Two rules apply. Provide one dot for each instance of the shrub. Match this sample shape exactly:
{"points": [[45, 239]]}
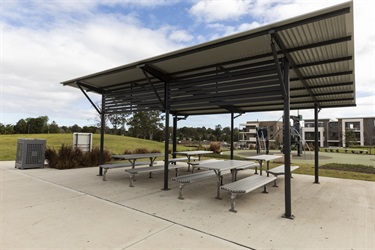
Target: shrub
{"points": [[68, 158], [155, 151], [128, 152], [51, 156], [93, 158], [141, 151], [215, 147]]}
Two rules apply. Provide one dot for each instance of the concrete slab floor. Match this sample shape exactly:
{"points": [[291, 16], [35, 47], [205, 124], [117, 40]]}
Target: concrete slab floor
{"points": [[75, 209]]}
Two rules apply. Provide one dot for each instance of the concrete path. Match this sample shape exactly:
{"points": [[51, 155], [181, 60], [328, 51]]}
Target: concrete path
{"points": [[75, 209]]}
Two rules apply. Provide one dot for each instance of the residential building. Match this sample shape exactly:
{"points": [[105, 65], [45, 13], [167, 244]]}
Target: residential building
{"points": [[248, 133], [331, 133], [337, 133], [308, 131]]}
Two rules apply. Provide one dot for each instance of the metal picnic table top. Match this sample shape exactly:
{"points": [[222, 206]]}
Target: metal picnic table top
{"points": [[219, 166], [196, 152], [136, 156]]}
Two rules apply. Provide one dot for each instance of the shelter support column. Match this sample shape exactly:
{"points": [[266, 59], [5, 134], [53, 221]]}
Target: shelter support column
{"points": [[174, 138], [316, 144], [231, 135], [102, 128], [288, 193], [166, 146]]}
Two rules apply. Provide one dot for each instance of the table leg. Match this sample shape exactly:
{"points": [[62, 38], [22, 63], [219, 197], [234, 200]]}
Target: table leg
{"points": [[133, 166], [219, 183], [152, 159], [188, 156], [268, 168], [234, 174], [132, 162], [260, 167]]}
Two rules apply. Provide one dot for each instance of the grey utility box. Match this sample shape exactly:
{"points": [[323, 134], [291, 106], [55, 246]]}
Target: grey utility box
{"points": [[83, 141], [30, 153]]}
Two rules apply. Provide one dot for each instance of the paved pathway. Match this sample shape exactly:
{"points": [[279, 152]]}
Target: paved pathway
{"points": [[75, 209]]}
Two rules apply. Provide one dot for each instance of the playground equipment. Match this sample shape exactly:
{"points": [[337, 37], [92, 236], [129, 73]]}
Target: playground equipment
{"points": [[262, 140], [296, 139]]}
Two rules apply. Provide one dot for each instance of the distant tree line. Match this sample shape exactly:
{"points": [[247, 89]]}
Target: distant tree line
{"points": [[40, 125], [144, 124]]}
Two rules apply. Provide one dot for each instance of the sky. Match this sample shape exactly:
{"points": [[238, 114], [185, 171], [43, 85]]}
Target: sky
{"points": [[46, 42]]}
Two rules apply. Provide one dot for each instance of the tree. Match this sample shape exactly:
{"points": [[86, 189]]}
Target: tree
{"points": [[218, 131], [37, 125], [21, 127], [75, 128], [118, 120], [66, 129], [53, 128], [6, 129], [350, 137], [145, 124], [89, 129]]}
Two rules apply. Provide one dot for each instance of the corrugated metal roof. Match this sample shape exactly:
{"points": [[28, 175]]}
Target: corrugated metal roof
{"points": [[238, 73]]}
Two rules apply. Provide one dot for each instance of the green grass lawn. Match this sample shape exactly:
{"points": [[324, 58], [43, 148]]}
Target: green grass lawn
{"points": [[118, 144], [349, 171], [115, 144]]}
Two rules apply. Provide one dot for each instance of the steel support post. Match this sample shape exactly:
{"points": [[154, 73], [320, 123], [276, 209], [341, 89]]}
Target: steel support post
{"points": [[102, 128], [166, 146], [288, 193], [316, 144], [174, 139], [231, 135]]}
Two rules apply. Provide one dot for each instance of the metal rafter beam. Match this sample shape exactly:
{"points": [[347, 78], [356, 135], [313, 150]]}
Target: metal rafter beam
{"points": [[341, 84], [155, 72], [335, 60], [88, 87], [232, 109], [153, 87], [278, 68], [80, 85], [320, 44], [284, 50], [322, 76]]}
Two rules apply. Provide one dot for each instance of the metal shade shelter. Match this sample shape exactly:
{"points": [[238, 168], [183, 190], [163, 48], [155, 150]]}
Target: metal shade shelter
{"points": [[306, 62]]}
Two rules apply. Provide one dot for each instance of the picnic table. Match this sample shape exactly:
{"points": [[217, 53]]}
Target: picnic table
{"points": [[133, 157], [262, 158], [189, 154], [220, 166]]}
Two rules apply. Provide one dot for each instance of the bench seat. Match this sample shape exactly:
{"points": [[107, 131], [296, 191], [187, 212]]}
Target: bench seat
{"points": [[280, 170], [251, 165], [195, 164], [181, 159], [189, 178], [120, 165], [150, 170], [245, 186], [173, 160]]}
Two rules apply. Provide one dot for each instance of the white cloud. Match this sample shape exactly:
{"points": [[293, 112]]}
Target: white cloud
{"points": [[46, 42], [35, 60], [226, 30], [212, 11], [181, 36]]}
